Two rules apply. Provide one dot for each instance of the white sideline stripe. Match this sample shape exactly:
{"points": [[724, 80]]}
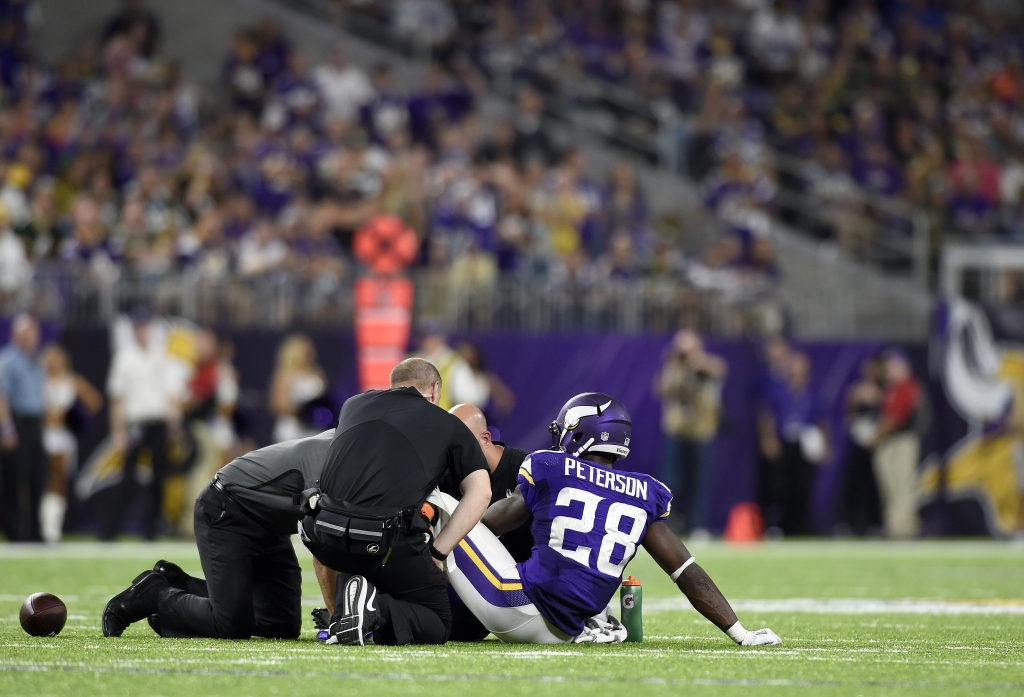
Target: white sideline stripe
{"points": [[442, 677], [859, 606], [834, 606]]}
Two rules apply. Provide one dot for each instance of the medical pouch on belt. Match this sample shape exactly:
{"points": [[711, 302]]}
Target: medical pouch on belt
{"points": [[340, 526]]}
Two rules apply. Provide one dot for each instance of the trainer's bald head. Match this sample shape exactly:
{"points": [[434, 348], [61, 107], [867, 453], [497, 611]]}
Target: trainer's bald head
{"points": [[476, 422], [471, 416]]}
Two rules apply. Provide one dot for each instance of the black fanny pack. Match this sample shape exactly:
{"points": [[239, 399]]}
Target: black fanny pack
{"points": [[344, 528]]}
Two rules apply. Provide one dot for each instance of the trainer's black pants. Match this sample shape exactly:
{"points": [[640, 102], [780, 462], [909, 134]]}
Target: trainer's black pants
{"points": [[23, 473], [153, 436], [253, 580], [412, 593]]}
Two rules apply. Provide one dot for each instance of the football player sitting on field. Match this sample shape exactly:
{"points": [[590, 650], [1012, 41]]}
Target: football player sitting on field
{"points": [[587, 522]]}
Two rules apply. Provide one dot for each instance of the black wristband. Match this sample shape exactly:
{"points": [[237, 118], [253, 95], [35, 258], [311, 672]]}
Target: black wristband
{"points": [[437, 554]]}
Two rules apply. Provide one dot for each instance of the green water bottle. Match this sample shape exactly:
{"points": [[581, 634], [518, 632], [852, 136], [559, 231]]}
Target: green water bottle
{"points": [[632, 596]]}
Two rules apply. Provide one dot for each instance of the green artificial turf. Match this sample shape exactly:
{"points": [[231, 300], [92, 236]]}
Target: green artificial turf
{"points": [[858, 645]]}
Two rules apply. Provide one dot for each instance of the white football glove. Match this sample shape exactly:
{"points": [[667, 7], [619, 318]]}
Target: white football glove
{"points": [[762, 637], [595, 632]]}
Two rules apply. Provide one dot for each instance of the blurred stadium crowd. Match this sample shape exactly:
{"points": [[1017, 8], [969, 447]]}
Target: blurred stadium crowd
{"points": [[916, 99], [116, 167]]}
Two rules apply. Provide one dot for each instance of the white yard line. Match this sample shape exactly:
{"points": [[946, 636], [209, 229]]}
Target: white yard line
{"points": [[858, 606], [470, 678]]}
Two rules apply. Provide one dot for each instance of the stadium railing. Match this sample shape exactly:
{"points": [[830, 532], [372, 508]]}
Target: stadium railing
{"points": [[722, 306], [625, 305], [986, 273], [887, 232], [81, 298]]}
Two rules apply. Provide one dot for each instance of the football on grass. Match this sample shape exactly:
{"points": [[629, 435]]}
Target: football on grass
{"points": [[43, 614]]}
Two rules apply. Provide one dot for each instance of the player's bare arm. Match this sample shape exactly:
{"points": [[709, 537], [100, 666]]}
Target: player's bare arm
{"points": [[673, 557], [506, 515]]}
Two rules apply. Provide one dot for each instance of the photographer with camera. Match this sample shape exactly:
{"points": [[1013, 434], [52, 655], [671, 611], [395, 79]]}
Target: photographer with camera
{"points": [[690, 388]]}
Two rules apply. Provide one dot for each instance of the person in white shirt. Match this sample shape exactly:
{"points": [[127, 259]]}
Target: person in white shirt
{"points": [[776, 37], [144, 403], [261, 250], [15, 268], [345, 87]]}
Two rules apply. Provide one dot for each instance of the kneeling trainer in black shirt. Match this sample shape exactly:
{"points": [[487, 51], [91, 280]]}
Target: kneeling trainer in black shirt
{"points": [[390, 450]]}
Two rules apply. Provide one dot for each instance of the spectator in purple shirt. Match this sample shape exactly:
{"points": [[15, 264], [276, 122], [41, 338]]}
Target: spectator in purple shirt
{"points": [[868, 128], [436, 105], [278, 180], [793, 443], [200, 251], [970, 211], [619, 263], [598, 47], [296, 99], [625, 210], [245, 84], [87, 248], [320, 261], [877, 172], [240, 216], [273, 49], [387, 111]]}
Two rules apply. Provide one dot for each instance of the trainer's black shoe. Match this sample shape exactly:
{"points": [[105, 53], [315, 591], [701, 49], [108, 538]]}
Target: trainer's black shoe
{"points": [[321, 618], [137, 602], [360, 614], [173, 573]]}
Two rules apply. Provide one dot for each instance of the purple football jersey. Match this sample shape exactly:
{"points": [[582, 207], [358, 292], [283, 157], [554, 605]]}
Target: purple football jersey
{"points": [[587, 523]]}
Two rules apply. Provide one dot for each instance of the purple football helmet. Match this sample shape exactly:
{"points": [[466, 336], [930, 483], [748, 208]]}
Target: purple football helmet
{"points": [[593, 422]]}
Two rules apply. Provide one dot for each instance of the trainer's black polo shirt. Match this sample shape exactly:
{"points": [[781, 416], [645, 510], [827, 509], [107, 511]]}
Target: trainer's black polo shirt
{"points": [[392, 448], [518, 542]]}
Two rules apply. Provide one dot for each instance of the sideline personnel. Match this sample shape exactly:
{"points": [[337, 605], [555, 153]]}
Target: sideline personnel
{"points": [[390, 450], [503, 461], [23, 465], [244, 520]]}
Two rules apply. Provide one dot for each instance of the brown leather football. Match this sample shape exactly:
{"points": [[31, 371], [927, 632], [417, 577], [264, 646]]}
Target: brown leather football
{"points": [[43, 614]]}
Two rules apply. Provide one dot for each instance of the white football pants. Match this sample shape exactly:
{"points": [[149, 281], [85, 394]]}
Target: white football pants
{"points": [[485, 577]]}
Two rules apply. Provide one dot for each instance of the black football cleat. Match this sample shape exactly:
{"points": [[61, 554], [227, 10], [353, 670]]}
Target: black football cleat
{"points": [[360, 614], [321, 618], [154, 622], [135, 603], [173, 573]]}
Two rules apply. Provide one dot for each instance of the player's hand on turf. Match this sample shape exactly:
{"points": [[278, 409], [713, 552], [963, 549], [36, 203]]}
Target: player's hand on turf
{"points": [[762, 637]]}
